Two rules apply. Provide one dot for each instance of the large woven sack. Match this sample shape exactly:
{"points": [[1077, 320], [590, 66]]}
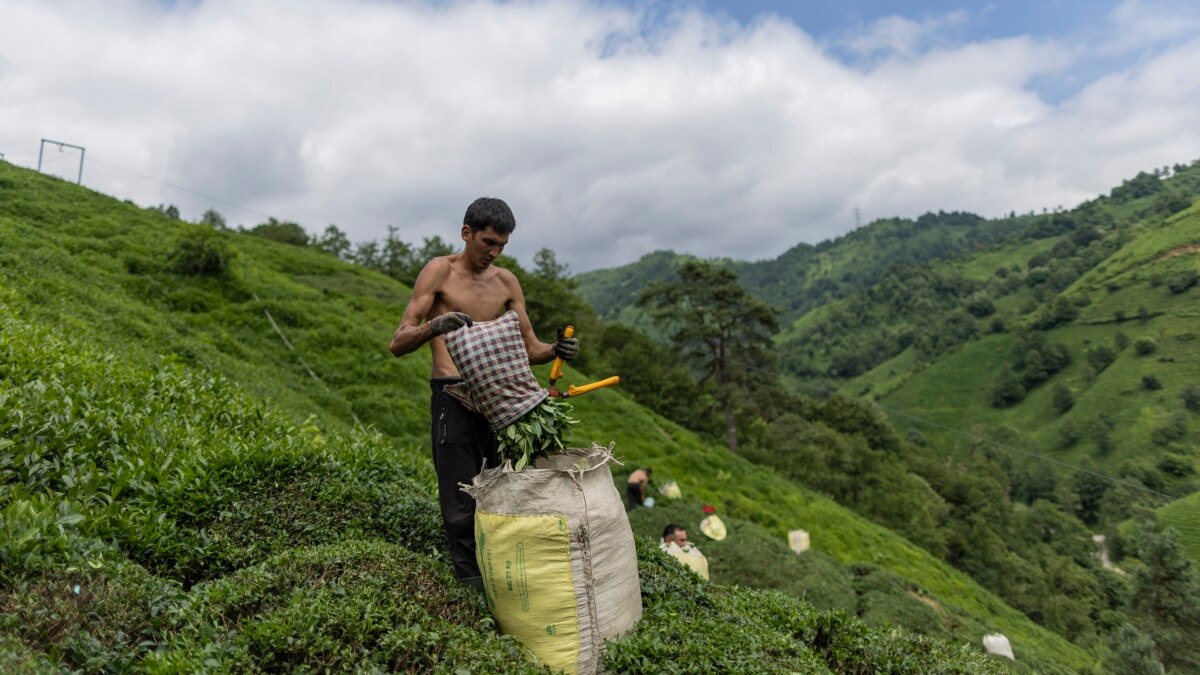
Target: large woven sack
{"points": [[494, 364], [557, 556]]}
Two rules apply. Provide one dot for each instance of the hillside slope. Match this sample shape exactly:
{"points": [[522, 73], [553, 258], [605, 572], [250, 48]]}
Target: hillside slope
{"points": [[97, 271], [1133, 362]]}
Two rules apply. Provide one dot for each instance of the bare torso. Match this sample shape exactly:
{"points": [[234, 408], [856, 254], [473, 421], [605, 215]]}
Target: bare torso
{"points": [[482, 296], [464, 282]]}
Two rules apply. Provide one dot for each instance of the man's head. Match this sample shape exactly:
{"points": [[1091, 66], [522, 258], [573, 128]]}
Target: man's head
{"points": [[490, 212], [675, 533], [485, 230]]}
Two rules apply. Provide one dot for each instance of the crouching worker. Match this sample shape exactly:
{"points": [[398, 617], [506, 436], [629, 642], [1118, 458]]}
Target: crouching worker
{"points": [[676, 544], [637, 487], [452, 292]]}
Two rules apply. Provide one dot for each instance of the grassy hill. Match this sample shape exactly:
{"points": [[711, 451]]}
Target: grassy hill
{"points": [[209, 485], [1126, 306], [805, 277]]}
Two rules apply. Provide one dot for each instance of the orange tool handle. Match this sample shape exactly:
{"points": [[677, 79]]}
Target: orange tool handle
{"points": [[557, 368], [575, 391]]}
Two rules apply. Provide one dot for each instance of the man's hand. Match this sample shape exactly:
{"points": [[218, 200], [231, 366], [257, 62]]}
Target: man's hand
{"points": [[566, 348], [450, 321]]}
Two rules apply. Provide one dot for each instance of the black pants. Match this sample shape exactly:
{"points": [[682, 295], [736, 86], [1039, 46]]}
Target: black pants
{"points": [[462, 442], [634, 492]]}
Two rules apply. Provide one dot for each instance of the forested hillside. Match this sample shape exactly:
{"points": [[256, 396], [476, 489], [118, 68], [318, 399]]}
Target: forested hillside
{"points": [[1043, 385], [211, 462]]}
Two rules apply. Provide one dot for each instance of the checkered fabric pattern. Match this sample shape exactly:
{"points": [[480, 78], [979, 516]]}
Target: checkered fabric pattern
{"points": [[493, 362]]}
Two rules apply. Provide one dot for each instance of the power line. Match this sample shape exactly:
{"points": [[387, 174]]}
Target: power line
{"points": [[181, 188]]}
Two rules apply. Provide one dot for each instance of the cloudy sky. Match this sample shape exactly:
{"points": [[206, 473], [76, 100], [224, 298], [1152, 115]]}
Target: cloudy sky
{"points": [[612, 128]]}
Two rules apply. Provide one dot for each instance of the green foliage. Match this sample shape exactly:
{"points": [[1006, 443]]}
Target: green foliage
{"points": [[537, 434], [1134, 654], [1163, 606], [980, 305], [212, 218], [1060, 312], [1151, 383], [718, 325], [1183, 281], [201, 252], [281, 231], [208, 470], [1034, 360], [339, 607], [751, 557], [334, 242], [1063, 399], [1173, 428], [689, 626], [1100, 357], [1189, 395], [852, 471], [653, 376], [1142, 185], [1145, 346], [1008, 390]]}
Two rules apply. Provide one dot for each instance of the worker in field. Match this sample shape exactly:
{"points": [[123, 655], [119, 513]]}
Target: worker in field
{"points": [[675, 543], [452, 292], [637, 487]]}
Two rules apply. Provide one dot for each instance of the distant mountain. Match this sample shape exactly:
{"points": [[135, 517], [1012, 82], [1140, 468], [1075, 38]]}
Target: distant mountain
{"points": [[806, 276]]}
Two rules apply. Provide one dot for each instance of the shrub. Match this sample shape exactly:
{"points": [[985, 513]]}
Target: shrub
{"points": [[1102, 435], [1174, 429], [1068, 434], [1100, 357], [1063, 400], [1145, 346], [980, 305], [338, 608], [917, 438], [1183, 281], [1151, 383], [1190, 396], [1008, 390], [201, 252], [101, 617]]}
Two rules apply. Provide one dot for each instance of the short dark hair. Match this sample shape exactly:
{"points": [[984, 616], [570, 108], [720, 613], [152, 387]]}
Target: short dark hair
{"points": [[490, 212], [671, 529]]}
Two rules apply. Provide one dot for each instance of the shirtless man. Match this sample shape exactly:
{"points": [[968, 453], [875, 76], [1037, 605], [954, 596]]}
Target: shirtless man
{"points": [[451, 292], [636, 486]]}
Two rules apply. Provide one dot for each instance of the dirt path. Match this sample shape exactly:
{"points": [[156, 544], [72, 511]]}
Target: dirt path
{"points": [[1102, 553]]}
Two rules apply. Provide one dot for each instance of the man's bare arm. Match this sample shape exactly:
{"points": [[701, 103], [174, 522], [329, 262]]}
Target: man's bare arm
{"points": [[412, 333], [539, 352]]}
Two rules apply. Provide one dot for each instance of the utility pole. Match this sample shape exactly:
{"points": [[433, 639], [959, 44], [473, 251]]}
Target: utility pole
{"points": [[61, 145], [857, 218]]}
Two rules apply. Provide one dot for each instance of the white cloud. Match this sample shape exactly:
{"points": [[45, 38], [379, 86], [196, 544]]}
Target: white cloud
{"points": [[609, 135], [900, 35]]}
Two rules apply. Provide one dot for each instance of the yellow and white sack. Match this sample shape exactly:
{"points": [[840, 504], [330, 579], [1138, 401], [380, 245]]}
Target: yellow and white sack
{"points": [[557, 556]]}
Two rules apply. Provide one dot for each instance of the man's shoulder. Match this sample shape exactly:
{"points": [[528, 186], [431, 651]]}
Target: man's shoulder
{"points": [[506, 275], [438, 269]]}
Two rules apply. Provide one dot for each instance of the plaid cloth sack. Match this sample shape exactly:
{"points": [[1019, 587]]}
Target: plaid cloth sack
{"points": [[494, 364]]}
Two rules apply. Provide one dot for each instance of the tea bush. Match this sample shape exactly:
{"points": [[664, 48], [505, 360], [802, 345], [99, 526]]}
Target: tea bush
{"points": [[351, 606], [201, 252]]}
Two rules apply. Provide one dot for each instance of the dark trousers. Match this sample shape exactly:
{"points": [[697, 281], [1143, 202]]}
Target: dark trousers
{"points": [[462, 442], [634, 492]]}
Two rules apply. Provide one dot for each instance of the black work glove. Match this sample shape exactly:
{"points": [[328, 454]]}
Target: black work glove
{"points": [[450, 321], [566, 348]]}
